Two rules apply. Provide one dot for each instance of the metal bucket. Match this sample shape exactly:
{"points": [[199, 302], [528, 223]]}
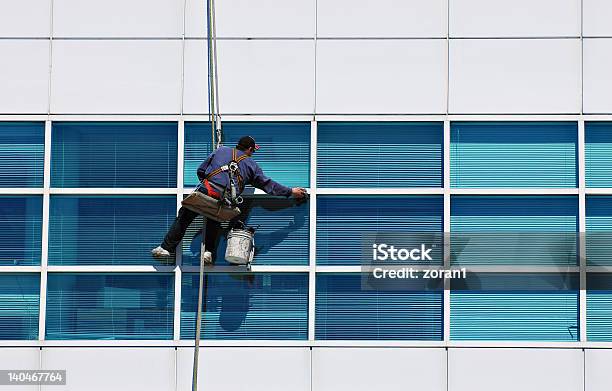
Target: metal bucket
{"points": [[240, 247]]}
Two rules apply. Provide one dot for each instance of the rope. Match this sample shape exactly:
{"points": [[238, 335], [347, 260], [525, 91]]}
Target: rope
{"points": [[214, 41], [213, 79], [215, 123]]}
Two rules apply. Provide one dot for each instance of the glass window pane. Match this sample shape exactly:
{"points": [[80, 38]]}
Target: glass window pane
{"points": [[20, 230], [284, 155], [599, 230], [347, 311], [269, 306], [114, 154], [108, 230], [379, 154], [514, 154], [514, 230], [19, 305], [109, 306], [281, 237], [515, 307], [22, 150], [598, 154], [599, 306], [342, 222]]}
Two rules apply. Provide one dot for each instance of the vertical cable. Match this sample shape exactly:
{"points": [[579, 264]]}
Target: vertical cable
{"points": [[216, 75], [211, 86], [213, 80]]}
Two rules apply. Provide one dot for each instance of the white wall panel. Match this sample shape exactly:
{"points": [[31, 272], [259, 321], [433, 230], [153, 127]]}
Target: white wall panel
{"points": [[19, 358], [514, 76], [597, 75], [195, 87], [596, 18], [127, 76], [597, 369], [515, 369], [389, 369], [117, 18], [25, 18], [516, 18], [381, 18], [242, 369], [381, 76], [24, 76], [253, 19], [255, 77], [104, 369]]}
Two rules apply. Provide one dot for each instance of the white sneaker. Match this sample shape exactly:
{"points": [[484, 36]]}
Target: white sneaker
{"points": [[160, 252], [207, 258]]}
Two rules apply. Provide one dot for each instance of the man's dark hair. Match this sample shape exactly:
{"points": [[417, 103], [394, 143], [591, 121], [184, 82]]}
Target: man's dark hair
{"points": [[245, 143]]}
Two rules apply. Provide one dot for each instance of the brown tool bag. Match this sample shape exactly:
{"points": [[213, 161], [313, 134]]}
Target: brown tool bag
{"points": [[209, 207]]}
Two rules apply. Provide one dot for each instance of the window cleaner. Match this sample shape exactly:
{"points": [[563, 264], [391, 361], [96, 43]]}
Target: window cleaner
{"points": [[223, 177]]}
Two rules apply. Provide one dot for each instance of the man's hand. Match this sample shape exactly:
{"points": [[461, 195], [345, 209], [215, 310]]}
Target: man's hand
{"points": [[299, 192]]}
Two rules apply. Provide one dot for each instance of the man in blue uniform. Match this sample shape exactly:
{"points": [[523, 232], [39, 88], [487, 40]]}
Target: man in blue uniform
{"points": [[215, 182]]}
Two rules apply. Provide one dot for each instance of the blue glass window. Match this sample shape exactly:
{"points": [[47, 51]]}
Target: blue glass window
{"points": [[198, 145], [284, 155], [269, 306], [514, 230], [103, 230], [599, 307], [281, 237], [114, 154], [379, 154], [19, 305], [22, 150], [599, 230], [515, 307], [20, 230], [109, 306], [344, 221], [347, 311], [598, 154], [513, 154]]}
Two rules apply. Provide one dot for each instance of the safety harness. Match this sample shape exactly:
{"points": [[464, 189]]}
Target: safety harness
{"points": [[235, 179]]}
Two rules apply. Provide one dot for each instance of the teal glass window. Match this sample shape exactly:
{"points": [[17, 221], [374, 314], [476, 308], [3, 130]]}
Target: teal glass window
{"points": [[599, 230], [114, 154], [379, 154], [20, 230], [514, 154], [514, 230], [515, 307], [109, 306], [599, 306], [284, 155], [344, 222], [268, 306], [108, 230], [19, 305], [22, 150], [598, 154], [282, 235], [347, 311]]}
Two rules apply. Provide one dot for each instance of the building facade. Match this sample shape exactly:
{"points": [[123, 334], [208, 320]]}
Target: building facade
{"points": [[465, 117]]}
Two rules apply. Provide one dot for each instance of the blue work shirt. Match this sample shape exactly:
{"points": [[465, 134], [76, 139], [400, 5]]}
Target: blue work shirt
{"points": [[249, 170]]}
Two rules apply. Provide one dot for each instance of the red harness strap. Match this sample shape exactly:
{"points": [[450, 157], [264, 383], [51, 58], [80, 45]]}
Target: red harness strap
{"points": [[211, 192]]}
